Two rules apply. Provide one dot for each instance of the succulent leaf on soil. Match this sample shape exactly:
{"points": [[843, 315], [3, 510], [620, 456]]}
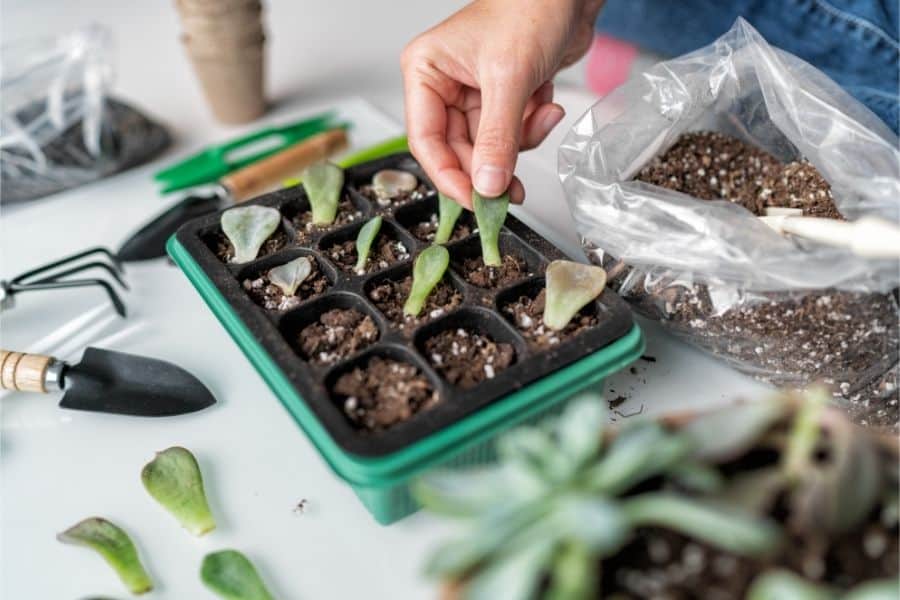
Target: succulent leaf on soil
{"points": [[570, 287], [490, 214], [232, 576], [448, 213], [173, 479], [247, 228], [323, 182], [291, 274], [428, 270], [364, 240], [779, 584], [390, 183], [115, 547]]}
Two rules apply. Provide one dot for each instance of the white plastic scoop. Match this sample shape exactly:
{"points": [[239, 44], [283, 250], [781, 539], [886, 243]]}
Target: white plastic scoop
{"points": [[871, 237]]}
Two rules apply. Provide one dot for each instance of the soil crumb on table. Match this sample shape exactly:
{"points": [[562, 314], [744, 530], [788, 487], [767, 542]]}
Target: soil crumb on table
{"points": [[306, 229], [271, 297], [383, 393], [389, 296], [527, 314], [385, 252], [224, 250], [512, 270], [422, 191], [426, 230], [465, 358], [337, 334]]}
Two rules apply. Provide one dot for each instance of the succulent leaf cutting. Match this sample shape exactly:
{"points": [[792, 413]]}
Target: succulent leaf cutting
{"points": [[390, 183], [323, 182], [490, 214], [428, 270], [232, 576], [114, 545], [291, 274], [174, 480], [247, 228], [364, 241], [448, 213], [570, 287]]}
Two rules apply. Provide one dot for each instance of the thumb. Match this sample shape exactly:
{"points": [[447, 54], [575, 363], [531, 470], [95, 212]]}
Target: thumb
{"points": [[497, 141]]}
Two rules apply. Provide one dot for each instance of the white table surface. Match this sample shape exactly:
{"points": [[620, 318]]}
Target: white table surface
{"points": [[57, 467]]}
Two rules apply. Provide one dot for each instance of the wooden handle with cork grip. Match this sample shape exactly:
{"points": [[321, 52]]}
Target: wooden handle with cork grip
{"points": [[261, 176], [24, 372]]}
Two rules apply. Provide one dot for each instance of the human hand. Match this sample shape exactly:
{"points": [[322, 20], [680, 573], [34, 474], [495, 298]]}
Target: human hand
{"points": [[478, 89]]}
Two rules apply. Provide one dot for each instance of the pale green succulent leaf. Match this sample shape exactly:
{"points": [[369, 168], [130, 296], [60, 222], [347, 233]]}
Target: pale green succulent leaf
{"points": [[724, 434], [597, 523], [114, 545], [580, 427], [490, 214], [232, 576], [570, 287], [882, 589], [291, 274], [323, 182], [514, 577], [573, 575], [428, 271], [725, 528], [697, 477], [463, 493], [364, 241], [173, 479], [805, 434], [784, 585], [448, 213], [390, 183], [247, 228]]}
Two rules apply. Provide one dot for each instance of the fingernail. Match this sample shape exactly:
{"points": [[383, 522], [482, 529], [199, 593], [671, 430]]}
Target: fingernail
{"points": [[552, 119], [491, 181]]}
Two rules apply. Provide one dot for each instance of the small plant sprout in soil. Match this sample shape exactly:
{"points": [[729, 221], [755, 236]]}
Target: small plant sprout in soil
{"points": [[448, 213], [290, 275], [367, 235], [390, 184], [231, 576], [689, 507], [428, 270], [490, 214], [570, 287], [323, 182], [247, 228], [173, 479], [115, 547]]}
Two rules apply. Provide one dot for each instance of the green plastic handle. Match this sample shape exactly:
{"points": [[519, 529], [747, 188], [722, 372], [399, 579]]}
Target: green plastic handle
{"points": [[379, 150]]}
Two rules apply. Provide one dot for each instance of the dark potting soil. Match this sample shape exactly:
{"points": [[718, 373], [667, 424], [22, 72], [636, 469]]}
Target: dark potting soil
{"points": [[848, 340], [425, 230], [417, 194], [337, 334], [527, 314], [386, 251], [383, 393], [225, 251], [271, 297], [465, 358], [302, 222], [512, 270], [389, 296]]}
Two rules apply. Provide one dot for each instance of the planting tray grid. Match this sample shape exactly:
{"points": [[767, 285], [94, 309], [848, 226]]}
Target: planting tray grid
{"points": [[193, 248]]}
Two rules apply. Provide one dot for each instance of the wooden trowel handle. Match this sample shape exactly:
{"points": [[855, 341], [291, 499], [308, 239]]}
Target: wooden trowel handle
{"points": [[24, 372], [261, 176]]}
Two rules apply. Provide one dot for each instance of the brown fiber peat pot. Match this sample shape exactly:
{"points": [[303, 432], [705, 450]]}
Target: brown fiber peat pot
{"points": [[357, 374]]}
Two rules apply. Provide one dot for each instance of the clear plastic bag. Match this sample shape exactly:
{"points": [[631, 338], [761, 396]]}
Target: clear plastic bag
{"points": [[709, 270], [59, 127]]}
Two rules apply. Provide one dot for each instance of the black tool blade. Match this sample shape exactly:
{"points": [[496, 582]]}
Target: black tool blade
{"points": [[115, 382], [149, 241]]}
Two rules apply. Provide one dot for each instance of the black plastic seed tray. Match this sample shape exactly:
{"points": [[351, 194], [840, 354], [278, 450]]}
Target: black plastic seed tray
{"points": [[480, 309]]}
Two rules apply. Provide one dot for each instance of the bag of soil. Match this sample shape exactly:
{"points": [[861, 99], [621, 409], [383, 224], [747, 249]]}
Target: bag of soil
{"points": [[666, 176], [59, 127]]}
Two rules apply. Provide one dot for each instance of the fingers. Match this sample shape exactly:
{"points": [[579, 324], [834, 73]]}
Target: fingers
{"points": [[539, 125], [503, 101]]}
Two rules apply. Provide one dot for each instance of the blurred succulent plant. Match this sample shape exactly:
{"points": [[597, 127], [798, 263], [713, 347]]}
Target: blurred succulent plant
{"points": [[173, 478], [247, 228], [323, 182], [291, 274], [428, 270], [448, 213], [115, 547], [364, 241], [784, 585], [490, 214], [231, 576], [570, 286], [566, 495]]}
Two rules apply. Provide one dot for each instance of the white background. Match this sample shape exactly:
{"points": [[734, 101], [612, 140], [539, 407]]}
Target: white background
{"points": [[57, 467]]}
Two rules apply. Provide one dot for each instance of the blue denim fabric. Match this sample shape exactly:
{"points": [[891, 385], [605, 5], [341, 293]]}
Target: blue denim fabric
{"points": [[855, 42]]}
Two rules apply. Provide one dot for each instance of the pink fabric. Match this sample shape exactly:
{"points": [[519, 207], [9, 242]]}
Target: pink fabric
{"points": [[609, 63]]}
